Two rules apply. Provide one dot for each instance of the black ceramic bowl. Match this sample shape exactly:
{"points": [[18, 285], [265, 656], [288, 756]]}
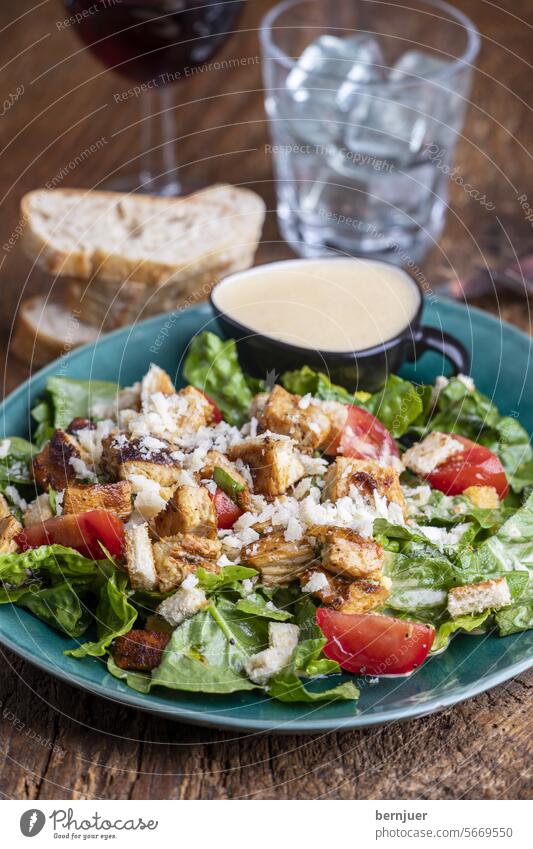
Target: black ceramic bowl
{"points": [[367, 369]]}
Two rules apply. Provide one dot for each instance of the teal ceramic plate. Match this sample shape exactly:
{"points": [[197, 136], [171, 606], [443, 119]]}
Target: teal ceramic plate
{"points": [[501, 367]]}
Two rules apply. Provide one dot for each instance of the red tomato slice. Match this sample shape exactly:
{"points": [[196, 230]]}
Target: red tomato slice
{"points": [[364, 437], [81, 531], [216, 409], [475, 466], [226, 510], [374, 645]]}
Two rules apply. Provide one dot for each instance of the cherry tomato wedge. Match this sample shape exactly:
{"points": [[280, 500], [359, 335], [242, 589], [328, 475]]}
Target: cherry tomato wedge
{"points": [[374, 645], [475, 466], [81, 531], [364, 437], [226, 510], [216, 409]]}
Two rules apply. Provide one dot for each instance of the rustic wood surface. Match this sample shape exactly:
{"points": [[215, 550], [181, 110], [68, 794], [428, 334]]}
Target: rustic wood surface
{"points": [[60, 743]]}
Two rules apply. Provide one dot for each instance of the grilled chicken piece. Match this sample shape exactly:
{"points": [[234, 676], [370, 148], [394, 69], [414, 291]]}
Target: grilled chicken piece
{"points": [[345, 553], [155, 380], [213, 460], [146, 456], [38, 510], [302, 420], [485, 497], [278, 561], [177, 556], [274, 463], [140, 561], [357, 596], [4, 507], [80, 424], [9, 528], [140, 650], [190, 510], [51, 466], [367, 476], [115, 497]]}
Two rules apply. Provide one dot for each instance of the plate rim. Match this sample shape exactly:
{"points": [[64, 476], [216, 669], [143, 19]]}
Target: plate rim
{"points": [[216, 720]]}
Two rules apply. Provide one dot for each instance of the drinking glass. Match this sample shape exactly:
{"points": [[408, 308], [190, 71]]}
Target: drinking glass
{"points": [[154, 43], [366, 101]]}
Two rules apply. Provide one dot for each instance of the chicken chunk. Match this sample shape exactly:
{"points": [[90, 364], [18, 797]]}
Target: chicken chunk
{"points": [[345, 553], [485, 497], [425, 456], [180, 555], [52, 466], [146, 456], [359, 596], [140, 650], [4, 507], [115, 497], [367, 476], [190, 510], [278, 561], [301, 419], [155, 380], [273, 462], [140, 561], [9, 528], [38, 510], [214, 460]]}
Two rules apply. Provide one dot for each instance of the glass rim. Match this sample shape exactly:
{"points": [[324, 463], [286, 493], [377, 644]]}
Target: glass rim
{"points": [[466, 59]]}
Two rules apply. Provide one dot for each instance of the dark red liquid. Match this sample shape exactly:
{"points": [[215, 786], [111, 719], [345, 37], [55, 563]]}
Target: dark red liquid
{"points": [[154, 40]]}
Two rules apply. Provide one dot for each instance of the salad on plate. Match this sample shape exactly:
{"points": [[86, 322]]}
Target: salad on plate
{"points": [[238, 535]]}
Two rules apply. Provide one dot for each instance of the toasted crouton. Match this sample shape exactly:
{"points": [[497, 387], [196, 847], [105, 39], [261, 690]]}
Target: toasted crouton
{"points": [[9, 528], [140, 558], [278, 561], [367, 476], [52, 466], [424, 457], [190, 510], [38, 510], [345, 553], [214, 460], [300, 419], [140, 650], [273, 462], [115, 497], [485, 497], [4, 507], [475, 598], [176, 557], [183, 604], [155, 380]]}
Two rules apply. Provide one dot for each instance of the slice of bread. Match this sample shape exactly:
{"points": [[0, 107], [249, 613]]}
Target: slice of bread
{"points": [[153, 240], [45, 329]]}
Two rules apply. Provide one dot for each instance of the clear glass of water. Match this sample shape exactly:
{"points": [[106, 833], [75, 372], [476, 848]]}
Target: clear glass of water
{"points": [[366, 101]]}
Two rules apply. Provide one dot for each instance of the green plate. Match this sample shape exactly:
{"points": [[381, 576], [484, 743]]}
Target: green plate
{"points": [[501, 367]]}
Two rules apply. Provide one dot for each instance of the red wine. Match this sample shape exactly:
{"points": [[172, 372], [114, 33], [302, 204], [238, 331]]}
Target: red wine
{"points": [[154, 40]]}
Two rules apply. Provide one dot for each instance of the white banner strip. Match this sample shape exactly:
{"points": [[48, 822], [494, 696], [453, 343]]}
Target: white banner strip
{"points": [[266, 824]]}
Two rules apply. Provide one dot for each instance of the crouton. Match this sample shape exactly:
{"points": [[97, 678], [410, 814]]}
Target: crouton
{"points": [[425, 456], [273, 462], [38, 510], [298, 418], [140, 558], [337, 414], [345, 553], [183, 604], [140, 650], [4, 507], [475, 598], [190, 510], [278, 561], [485, 497], [155, 380], [9, 528], [52, 466], [214, 460], [367, 476], [146, 456], [115, 497], [178, 556]]}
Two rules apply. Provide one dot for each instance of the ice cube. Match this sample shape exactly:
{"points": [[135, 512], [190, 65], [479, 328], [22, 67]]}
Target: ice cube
{"points": [[416, 65], [315, 82], [387, 124]]}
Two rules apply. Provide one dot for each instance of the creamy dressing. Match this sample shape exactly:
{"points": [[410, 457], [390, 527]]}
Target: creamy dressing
{"points": [[324, 304]]}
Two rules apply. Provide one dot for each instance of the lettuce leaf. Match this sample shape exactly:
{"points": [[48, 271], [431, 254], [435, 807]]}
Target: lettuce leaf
{"points": [[66, 399], [114, 616], [212, 366], [61, 606], [308, 661], [447, 629], [306, 381]]}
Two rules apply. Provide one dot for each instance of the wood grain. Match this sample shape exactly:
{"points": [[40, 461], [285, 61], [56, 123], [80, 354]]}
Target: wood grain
{"points": [[60, 743]]}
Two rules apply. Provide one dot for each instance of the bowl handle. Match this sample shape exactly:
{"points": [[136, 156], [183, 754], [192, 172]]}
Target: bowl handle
{"points": [[432, 339]]}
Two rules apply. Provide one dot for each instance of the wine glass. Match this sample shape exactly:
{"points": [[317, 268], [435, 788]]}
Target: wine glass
{"points": [[154, 43]]}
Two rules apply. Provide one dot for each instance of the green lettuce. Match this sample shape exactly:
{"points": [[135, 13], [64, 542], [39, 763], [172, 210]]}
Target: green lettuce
{"points": [[306, 381], [290, 685], [66, 399], [449, 627], [114, 616], [213, 367]]}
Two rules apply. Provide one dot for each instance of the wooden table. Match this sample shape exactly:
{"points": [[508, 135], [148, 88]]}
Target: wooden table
{"points": [[61, 743]]}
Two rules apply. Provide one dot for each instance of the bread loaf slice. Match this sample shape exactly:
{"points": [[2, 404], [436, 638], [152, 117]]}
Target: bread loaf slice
{"points": [[45, 329], [152, 240]]}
